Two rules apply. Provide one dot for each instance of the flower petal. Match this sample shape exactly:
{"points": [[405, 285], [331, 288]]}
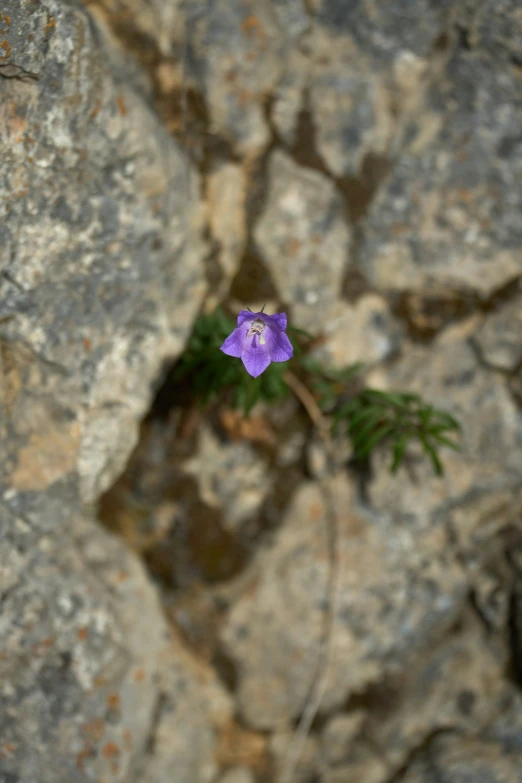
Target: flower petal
{"points": [[256, 356], [279, 319], [255, 362], [234, 344], [281, 349], [245, 315]]}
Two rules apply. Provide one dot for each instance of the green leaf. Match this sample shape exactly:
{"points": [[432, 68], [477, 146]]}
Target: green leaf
{"points": [[364, 415], [432, 453], [399, 450], [445, 441], [368, 445]]}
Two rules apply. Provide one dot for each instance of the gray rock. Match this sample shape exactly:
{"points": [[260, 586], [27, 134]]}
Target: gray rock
{"points": [[499, 339], [238, 775], [490, 459], [339, 735], [293, 18], [363, 332], [226, 201], [303, 238], [97, 283], [144, 24], [237, 49], [232, 477], [455, 760], [383, 29], [400, 591], [99, 280], [82, 636], [494, 25], [448, 215], [194, 708], [350, 105], [289, 96]]}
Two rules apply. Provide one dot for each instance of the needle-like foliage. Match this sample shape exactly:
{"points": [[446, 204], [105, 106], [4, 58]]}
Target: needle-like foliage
{"points": [[370, 417]]}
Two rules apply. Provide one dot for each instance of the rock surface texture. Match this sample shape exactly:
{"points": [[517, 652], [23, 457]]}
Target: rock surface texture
{"points": [[359, 163]]}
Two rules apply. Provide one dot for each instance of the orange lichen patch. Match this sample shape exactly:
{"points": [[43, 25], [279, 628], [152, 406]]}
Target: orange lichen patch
{"points": [[251, 23], [50, 453], [316, 511], [82, 634], [87, 345], [5, 50], [113, 701], [82, 757], [238, 747], [8, 747], [244, 97], [16, 125], [97, 107], [293, 246], [99, 682], [94, 729], [127, 739], [139, 675], [122, 108], [399, 229], [51, 24], [122, 576], [465, 195], [111, 750]]}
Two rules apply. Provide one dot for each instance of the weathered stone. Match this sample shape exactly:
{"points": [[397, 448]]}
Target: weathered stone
{"points": [[457, 686], [232, 477], [82, 638], [306, 767], [96, 286], [303, 238], [494, 25], [99, 280], [237, 49], [499, 338], [452, 378], [448, 215], [292, 17], [455, 760], [289, 96], [238, 775], [144, 25], [339, 734], [383, 29], [364, 332], [400, 591], [193, 709], [226, 196], [350, 105]]}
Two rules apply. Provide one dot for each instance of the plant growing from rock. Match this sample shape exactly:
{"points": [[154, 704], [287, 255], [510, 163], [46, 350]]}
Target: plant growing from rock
{"points": [[371, 418]]}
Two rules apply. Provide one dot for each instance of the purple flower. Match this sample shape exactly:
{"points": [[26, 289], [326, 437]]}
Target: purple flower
{"points": [[258, 340]]}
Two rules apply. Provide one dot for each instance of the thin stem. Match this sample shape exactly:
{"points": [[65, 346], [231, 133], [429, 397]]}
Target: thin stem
{"points": [[326, 649]]}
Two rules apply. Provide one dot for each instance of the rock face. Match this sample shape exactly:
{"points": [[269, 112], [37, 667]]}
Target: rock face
{"points": [[448, 214], [359, 163], [100, 276]]}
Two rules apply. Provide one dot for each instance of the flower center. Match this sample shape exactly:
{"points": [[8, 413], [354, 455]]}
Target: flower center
{"points": [[257, 327]]}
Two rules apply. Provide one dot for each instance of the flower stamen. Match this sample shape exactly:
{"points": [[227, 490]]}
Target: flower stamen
{"points": [[257, 327]]}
